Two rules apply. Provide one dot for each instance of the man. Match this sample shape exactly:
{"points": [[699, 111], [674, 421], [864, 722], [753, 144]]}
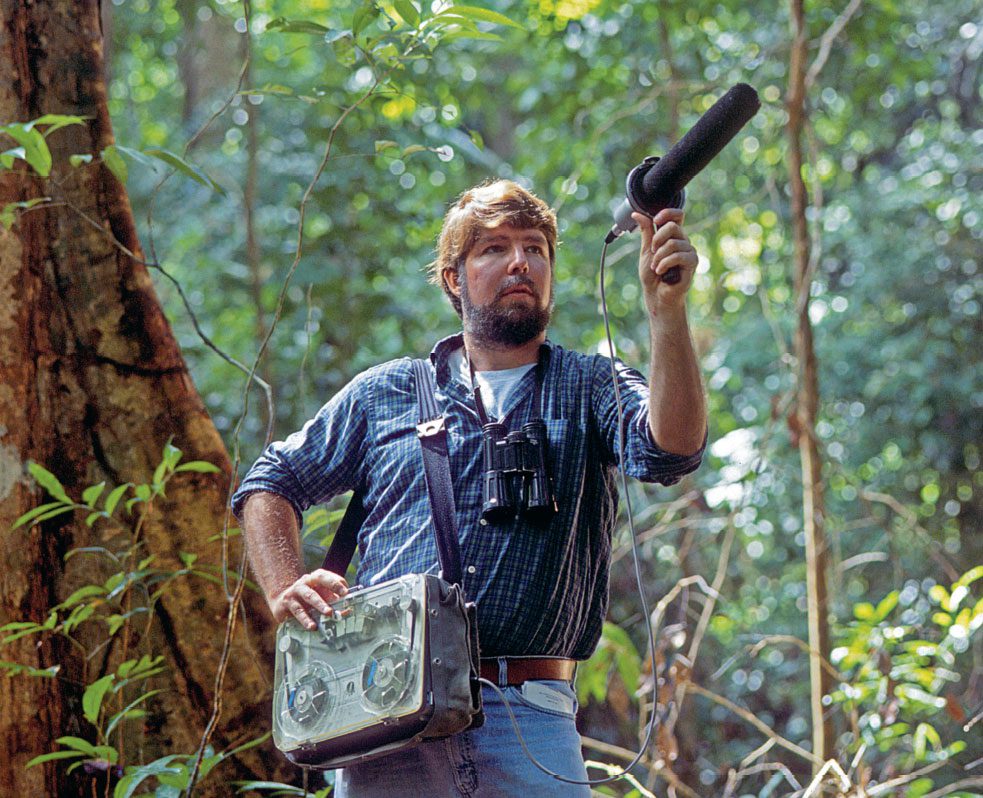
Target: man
{"points": [[541, 586]]}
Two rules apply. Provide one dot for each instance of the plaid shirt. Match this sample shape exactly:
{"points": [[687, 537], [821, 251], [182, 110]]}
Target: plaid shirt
{"points": [[540, 590]]}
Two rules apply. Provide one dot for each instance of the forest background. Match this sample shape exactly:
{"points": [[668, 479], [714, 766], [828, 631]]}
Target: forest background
{"points": [[288, 165]]}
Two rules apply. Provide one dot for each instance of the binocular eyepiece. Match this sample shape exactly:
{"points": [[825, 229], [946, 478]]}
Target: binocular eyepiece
{"points": [[517, 480]]}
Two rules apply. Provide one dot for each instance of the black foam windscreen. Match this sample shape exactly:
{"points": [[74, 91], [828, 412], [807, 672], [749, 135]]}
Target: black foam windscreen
{"points": [[699, 146]]}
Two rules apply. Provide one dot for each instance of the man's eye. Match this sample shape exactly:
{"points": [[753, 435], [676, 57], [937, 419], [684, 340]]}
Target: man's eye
{"points": [[535, 249]]}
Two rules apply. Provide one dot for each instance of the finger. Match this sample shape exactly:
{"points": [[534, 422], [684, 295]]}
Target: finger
{"points": [[299, 611], [667, 215], [680, 259], [670, 231], [645, 224], [313, 598], [671, 247], [328, 580]]}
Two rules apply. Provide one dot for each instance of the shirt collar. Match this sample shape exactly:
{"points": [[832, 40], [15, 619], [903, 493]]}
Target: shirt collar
{"points": [[442, 351]]}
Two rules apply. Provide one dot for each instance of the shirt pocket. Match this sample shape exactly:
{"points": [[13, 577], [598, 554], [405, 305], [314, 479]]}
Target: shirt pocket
{"points": [[566, 457]]}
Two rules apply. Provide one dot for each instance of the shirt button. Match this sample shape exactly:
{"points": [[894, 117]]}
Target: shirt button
{"points": [[471, 569]]}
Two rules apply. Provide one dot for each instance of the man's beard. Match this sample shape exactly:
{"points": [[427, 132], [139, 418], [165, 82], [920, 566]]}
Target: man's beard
{"points": [[505, 324]]}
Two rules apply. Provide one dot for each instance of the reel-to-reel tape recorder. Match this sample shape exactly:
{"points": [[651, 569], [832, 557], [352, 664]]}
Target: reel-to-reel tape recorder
{"points": [[383, 670]]}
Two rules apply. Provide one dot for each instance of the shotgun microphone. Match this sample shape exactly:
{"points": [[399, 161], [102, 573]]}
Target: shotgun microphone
{"points": [[658, 183]]}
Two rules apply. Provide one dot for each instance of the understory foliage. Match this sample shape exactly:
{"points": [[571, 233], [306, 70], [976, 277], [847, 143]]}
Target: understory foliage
{"points": [[290, 163]]}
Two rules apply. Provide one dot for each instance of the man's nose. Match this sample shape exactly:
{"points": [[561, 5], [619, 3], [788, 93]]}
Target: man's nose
{"points": [[518, 263]]}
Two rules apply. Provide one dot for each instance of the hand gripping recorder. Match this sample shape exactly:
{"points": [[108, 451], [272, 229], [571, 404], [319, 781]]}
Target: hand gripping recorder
{"points": [[392, 665]]}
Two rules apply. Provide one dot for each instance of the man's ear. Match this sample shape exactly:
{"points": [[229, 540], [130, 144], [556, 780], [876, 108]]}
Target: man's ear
{"points": [[452, 281]]}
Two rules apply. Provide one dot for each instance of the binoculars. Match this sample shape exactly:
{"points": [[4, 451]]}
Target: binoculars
{"points": [[516, 480]]}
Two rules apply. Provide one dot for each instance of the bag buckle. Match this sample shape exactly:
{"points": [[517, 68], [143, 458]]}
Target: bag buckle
{"points": [[427, 429]]}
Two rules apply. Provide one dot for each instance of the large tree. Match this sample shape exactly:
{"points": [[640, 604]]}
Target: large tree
{"points": [[93, 386]]}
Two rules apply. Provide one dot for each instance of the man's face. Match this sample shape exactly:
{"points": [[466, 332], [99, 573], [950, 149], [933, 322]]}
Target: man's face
{"points": [[506, 286]]}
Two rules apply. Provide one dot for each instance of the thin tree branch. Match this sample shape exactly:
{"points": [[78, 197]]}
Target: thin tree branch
{"points": [[623, 753], [826, 45], [756, 722]]}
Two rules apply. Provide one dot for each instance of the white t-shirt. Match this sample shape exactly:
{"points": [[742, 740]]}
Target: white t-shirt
{"points": [[496, 386]]}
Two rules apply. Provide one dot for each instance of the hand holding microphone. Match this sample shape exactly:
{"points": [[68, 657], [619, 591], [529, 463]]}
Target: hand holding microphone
{"points": [[658, 183]]}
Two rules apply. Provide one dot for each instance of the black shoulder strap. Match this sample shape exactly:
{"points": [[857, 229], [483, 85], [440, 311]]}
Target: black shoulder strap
{"points": [[440, 490], [342, 547]]}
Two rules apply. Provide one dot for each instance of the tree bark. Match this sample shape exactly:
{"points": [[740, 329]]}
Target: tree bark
{"points": [[813, 503], [92, 385]]}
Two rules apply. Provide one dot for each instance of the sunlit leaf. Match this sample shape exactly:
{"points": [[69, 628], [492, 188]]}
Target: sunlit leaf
{"points": [[93, 696]]}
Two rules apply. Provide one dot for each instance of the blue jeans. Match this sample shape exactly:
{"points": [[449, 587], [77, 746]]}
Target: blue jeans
{"points": [[485, 763]]}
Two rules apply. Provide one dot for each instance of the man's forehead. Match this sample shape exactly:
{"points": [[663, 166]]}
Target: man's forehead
{"points": [[504, 231]]}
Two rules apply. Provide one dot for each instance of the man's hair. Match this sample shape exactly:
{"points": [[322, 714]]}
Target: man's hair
{"points": [[490, 204]]}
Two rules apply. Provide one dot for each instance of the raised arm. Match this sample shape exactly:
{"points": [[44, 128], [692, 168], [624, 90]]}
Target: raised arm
{"points": [[677, 403]]}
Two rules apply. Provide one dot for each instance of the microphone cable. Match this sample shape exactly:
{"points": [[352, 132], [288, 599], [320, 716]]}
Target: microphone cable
{"points": [[649, 622]]}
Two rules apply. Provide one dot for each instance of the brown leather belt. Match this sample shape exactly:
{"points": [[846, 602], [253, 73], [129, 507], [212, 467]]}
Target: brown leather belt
{"points": [[523, 669]]}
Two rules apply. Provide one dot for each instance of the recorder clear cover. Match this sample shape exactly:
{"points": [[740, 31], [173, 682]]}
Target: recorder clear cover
{"points": [[362, 666]]}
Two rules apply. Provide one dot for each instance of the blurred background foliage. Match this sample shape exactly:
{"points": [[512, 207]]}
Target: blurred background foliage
{"points": [[567, 101]]}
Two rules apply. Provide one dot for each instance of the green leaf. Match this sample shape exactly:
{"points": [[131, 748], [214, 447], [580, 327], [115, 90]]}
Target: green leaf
{"points": [[82, 593], [8, 157], [115, 623], [15, 625], [158, 474], [864, 611], [91, 518], [48, 481], [30, 515], [457, 35], [77, 617], [114, 162], [335, 35], [183, 166], [113, 498], [8, 214], [93, 696], [171, 455], [412, 148], [135, 776], [281, 788], [385, 144], [38, 760], [199, 466], [285, 25], [188, 558], [365, 15], [53, 513], [481, 15], [939, 594], [407, 11], [92, 493], [36, 151], [57, 121], [79, 159], [78, 744], [16, 668], [969, 577], [885, 607], [127, 712]]}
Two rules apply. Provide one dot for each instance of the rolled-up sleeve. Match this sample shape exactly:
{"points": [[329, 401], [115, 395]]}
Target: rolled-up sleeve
{"points": [[645, 460], [317, 462]]}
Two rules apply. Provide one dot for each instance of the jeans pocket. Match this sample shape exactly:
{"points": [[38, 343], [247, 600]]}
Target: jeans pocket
{"points": [[549, 696]]}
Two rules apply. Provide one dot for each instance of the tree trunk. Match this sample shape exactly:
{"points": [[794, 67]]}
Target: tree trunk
{"points": [[92, 385], [813, 504]]}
